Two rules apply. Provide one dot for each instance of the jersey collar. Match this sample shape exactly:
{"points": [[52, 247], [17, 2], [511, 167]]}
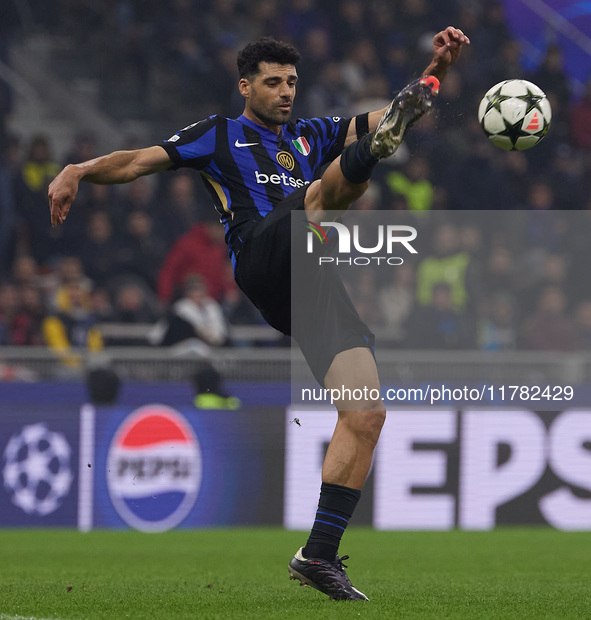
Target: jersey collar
{"points": [[262, 130]]}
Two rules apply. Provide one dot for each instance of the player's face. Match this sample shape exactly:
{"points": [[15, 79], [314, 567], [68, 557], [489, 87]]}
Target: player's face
{"points": [[270, 94]]}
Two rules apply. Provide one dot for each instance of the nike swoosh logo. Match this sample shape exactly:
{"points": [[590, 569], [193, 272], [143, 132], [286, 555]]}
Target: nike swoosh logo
{"points": [[239, 144]]}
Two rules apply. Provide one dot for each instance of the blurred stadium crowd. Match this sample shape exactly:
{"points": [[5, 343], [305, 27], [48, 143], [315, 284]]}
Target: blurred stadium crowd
{"points": [[153, 251]]}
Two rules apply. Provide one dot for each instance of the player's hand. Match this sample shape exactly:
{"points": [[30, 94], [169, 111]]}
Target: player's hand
{"points": [[61, 193], [447, 45]]}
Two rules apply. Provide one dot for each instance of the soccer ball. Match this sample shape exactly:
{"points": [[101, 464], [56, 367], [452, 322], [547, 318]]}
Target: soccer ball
{"points": [[37, 471], [515, 115]]}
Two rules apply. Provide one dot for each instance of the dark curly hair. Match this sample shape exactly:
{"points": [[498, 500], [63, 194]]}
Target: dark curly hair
{"points": [[265, 49]]}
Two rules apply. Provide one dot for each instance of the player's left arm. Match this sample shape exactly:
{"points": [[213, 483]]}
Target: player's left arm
{"points": [[447, 46]]}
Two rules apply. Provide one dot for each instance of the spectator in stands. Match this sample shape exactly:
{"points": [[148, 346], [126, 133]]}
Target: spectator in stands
{"points": [[83, 148], [554, 272], [195, 324], [140, 196], [396, 61], [489, 21], [447, 265], [100, 305], [26, 325], [93, 198], [540, 196], [31, 198], [328, 94], [516, 169], [580, 121], [361, 63], [133, 304], [298, 17], [397, 300], [471, 242], [12, 154], [99, 249], [543, 234], [179, 210], [364, 295], [10, 25], [69, 271], [142, 250], [195, 317], [9, 301], [567, 172], [578, 252], [223, 75], [474, 181], [225, 18], [350, 21], [508, 64], [413, 184], [376, 94], [237, 308], [318, 54], [266, 17], [500, 272], [381, 20], [25, 271], [414, 18], [439, 324], [497, 329], [103, 198], [551, 77], [200, 251], [550, 329], [72, 327], [39, 168]]}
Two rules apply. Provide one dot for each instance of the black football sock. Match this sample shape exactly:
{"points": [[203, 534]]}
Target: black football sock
{"points": [[357, 162], [335, 507]]}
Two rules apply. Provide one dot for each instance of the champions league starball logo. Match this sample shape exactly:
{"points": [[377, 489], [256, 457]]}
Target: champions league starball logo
{"points": [[154, 469], [37, 469]]}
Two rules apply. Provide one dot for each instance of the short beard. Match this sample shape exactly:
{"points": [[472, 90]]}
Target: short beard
{"points": [[277, 119]]}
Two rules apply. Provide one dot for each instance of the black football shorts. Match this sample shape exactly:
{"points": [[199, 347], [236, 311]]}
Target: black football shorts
{"points": [[313, 306]]}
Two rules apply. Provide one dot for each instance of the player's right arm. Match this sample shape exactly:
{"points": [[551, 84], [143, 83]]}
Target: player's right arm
{"points": [[117, 167]]}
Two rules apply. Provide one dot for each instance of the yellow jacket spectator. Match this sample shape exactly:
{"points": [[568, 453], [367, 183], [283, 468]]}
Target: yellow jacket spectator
{"points": [[447, 265], [413, 184], [38, 170], [74, 328]]}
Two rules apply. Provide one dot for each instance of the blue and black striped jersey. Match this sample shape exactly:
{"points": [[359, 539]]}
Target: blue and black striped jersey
{"points": [[247, 168]]}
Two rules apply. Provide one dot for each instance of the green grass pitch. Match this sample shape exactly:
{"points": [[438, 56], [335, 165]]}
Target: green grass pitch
{"points": [[242, 573]]}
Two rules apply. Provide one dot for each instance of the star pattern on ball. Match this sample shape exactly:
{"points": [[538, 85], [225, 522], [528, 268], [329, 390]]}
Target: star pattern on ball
{"points": [[514, 115]]}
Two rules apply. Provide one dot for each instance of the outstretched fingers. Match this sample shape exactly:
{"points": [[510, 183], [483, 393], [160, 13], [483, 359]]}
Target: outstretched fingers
{"points": [[58, 209], [456, 35], [61, 193], [448, 43]]}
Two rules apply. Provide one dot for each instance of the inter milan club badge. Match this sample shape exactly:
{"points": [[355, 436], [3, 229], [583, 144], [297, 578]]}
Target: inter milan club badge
{"points": [[285, 159]]}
